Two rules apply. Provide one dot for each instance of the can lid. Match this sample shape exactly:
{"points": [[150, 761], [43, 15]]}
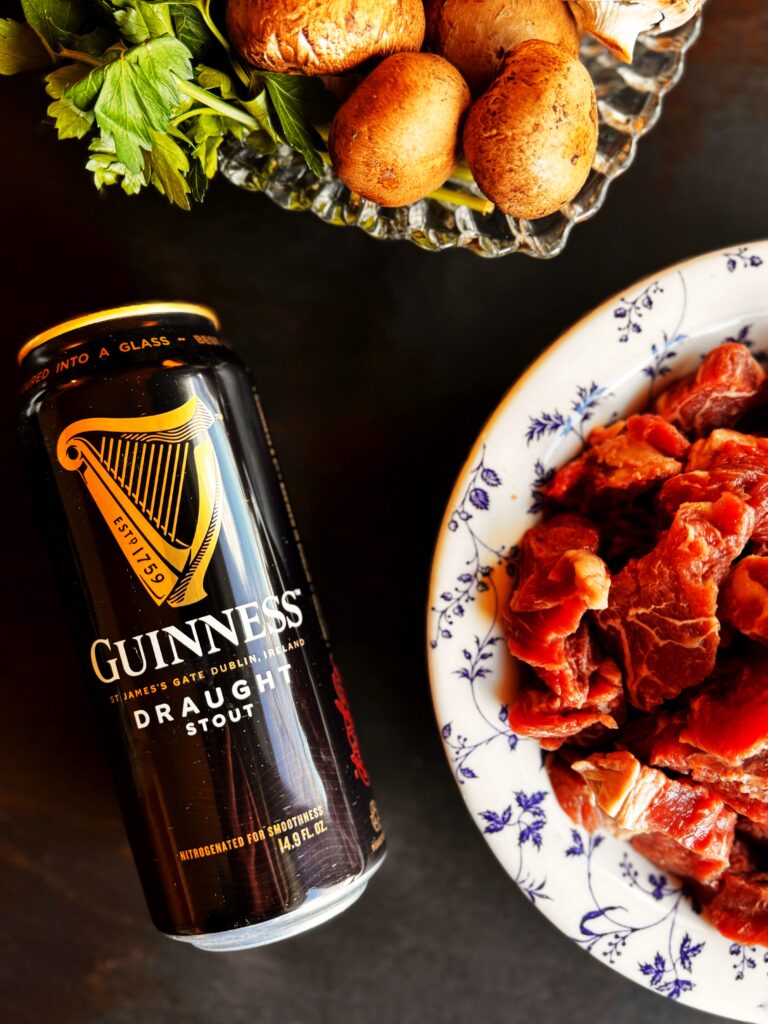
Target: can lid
{"points": [[118, 313]]}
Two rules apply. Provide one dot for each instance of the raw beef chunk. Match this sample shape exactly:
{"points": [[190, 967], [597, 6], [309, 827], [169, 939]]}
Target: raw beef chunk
{"points": [[737, 796], [669, 855], [665, 749], [730, 720], [709, 485], [533, 715], [560, 577], [744, 597], [581, 660], [622, 462], [731, 451], [643, 800], [539, 713], [726, 462], [661, 617], [573, 794], [743, 787], [740, 909], [726, 385], [654, 740]]}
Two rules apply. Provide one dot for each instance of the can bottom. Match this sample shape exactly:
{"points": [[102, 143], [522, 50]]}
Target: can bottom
{"points": [[316, 911]]}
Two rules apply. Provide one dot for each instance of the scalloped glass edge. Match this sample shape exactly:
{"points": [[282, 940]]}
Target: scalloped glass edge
{"points": [[629, 98]]}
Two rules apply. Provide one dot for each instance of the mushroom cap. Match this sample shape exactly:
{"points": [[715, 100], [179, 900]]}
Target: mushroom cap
{"points": [[322, 37], [474, 35]]}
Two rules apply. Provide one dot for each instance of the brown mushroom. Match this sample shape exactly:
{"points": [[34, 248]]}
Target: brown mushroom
{"points": [[322, 37], [530, 140], [395, 139]]}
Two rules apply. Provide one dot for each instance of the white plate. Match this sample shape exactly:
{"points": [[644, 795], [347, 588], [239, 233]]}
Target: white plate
{"points": [[597, 890]]}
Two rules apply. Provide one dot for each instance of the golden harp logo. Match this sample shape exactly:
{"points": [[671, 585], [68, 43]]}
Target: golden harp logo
{"points": [[138, 471]]}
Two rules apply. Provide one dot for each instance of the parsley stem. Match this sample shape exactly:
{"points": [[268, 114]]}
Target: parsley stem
{"points": [[238, 68], [446, 195], [82, 58], [192, 112], [220, 106]]}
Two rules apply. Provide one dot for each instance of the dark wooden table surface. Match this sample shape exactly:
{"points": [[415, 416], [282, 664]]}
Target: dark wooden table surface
{"points": [[377, 364]]}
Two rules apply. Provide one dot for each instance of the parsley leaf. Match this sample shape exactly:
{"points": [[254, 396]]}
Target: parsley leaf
{"points": [[212, 78], [169, 166], [20, 48], [190, 28], [139, 21], [56, 21], [197, 181], [71, 122], [290, 96], [67, 25], [139, 94], [84, 91], [64, 77], [108, 170], [207, 133]]}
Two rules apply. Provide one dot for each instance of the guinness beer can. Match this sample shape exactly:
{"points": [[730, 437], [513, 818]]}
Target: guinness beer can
{"points": [[246, 799]]}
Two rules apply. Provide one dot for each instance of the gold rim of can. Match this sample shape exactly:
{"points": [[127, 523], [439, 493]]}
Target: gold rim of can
{"points": [[117, 313]]}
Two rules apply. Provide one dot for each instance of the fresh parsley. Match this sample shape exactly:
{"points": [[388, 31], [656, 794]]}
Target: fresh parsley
{"points": [[156, 90]]}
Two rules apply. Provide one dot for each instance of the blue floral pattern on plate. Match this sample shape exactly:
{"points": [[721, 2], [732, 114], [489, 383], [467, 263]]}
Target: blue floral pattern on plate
{"points": [[597, 890]]}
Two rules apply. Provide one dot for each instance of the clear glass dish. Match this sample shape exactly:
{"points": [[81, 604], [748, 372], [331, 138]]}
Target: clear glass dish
{"points": [[629, 100]]}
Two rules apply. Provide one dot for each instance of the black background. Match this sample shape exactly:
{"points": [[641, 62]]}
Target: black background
{"points": [[377, 364]]}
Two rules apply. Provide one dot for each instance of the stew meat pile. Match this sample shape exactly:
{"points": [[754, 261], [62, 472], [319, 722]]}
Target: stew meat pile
{"points": [[641, 609]]}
